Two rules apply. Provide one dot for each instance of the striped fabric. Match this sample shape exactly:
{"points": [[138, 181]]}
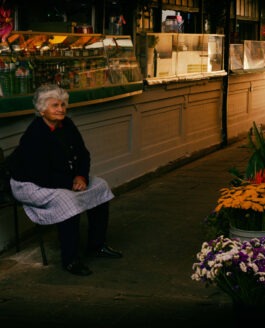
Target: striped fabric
{"points": [[48, 206]]}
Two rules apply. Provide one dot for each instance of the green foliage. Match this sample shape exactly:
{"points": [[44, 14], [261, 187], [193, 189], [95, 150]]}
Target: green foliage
{"points": [[238, 176], [257, 144], [216, 224]]}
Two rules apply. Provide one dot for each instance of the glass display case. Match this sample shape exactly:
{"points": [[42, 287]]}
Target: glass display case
{"points": [[253, 54], [73, 61], [171, 55], [249, 55]]}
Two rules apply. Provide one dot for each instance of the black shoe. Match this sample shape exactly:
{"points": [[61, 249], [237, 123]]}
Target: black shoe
{"points": [[78, 268], [105, 251]]}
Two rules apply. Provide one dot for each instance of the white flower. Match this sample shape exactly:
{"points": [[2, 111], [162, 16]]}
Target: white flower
{"points": [[211, 263], [254, 267], [196, 277], [243, 266], [260, 256], [225, 257], [204, 272]]}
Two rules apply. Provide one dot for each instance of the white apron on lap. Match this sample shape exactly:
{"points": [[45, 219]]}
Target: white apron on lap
{"points": [[48, 206]]}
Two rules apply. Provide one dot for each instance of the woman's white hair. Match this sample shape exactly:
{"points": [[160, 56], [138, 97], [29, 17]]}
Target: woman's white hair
{"points": [[46, 92]]}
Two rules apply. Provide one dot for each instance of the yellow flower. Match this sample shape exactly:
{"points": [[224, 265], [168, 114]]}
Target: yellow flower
{"points": [[247, 197], [247, 205]]}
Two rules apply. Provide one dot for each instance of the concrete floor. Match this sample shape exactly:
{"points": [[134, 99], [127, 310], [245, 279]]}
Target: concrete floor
{"points": [[158, 226]]}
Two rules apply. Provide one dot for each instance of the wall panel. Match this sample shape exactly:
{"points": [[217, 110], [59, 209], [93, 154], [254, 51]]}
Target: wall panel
{"points": [[245, 103]]}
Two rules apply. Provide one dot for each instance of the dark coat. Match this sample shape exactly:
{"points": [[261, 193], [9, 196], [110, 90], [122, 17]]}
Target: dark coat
{"points": [[50, 158]]}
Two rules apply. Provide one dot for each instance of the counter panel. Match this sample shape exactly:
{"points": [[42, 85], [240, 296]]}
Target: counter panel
{"points": [[246, 102], [160, 127]]}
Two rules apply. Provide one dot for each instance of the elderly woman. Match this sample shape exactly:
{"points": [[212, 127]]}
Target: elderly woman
{"points": [[50, 177]]}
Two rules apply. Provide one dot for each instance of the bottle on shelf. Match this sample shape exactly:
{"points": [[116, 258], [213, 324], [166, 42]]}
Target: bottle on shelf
{"points": [[4, 82], [22, 78], [6, 77]]}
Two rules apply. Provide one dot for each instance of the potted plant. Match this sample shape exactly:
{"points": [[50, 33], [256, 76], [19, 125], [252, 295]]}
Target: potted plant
{"points": [[241, 206]]}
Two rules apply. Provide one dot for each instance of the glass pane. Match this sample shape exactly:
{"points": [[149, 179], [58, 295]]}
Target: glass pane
{"points": [[236, 56], [192, 53], [215, 53], [123, 65], [164, 56], [253, 54]]}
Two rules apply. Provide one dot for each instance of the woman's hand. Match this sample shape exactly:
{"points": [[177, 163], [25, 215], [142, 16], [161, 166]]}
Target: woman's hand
{"points": [[79, 183]]}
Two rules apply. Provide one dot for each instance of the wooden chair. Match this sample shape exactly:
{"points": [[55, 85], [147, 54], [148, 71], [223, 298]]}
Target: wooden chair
{"points": [[7, 200]]}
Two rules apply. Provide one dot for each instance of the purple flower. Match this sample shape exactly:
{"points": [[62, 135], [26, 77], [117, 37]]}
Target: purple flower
{"points": [[238, 268]]}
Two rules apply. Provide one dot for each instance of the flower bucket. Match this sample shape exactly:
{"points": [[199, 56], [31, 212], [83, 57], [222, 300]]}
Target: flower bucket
{"points": [[245, 234]]}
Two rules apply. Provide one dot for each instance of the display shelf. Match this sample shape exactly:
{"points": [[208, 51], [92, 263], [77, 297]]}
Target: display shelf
{"points": [[76, 62]]}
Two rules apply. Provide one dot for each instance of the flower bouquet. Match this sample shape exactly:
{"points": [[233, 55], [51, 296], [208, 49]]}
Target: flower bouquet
{"points": [[237, 268]]}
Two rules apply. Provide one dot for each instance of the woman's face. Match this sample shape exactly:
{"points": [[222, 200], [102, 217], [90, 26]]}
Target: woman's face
{"points": [[55, 111]]}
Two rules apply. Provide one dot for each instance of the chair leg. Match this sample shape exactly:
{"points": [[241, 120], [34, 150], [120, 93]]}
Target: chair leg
{"points": [[17, 240], [41, 243]]}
